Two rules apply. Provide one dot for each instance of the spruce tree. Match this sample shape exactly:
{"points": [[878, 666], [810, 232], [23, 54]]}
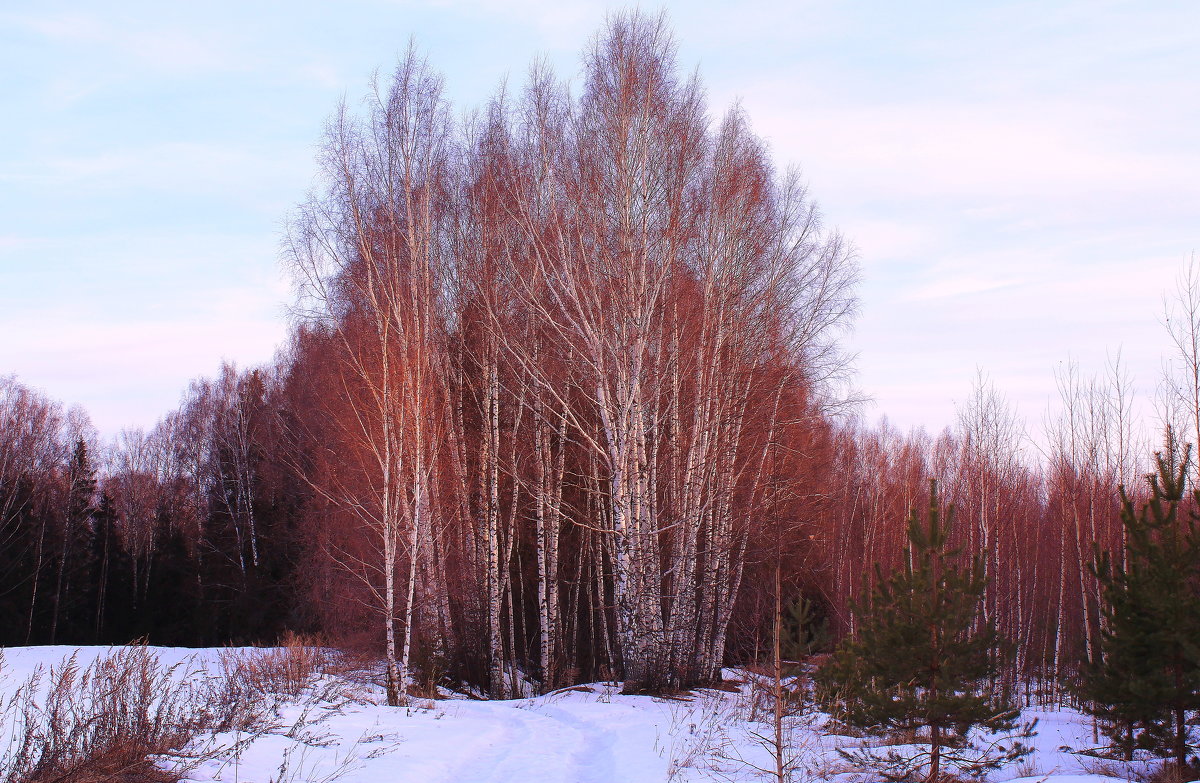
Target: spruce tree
{"points": [[1146, 679], [72, 601], [924, 665], [170, 611], [112, 578]]}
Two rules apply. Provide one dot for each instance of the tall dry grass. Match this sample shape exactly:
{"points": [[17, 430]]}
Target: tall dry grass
{"points": [[102, 721], [129, 718]]}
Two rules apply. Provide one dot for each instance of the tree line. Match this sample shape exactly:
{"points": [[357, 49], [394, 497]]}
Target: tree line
{"points": [[187, 535], [564, 393]]}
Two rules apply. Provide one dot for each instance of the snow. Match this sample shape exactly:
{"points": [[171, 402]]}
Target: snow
{"points": [[587, 734]]}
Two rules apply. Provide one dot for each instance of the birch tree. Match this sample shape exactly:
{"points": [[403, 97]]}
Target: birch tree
{"points": [[369, 257]]}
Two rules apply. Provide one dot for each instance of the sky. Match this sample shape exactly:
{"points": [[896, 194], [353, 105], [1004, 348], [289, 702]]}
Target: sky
{"points": [[1021, 180]]}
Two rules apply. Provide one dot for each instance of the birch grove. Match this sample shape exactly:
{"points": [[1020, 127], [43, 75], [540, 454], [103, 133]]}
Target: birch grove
{"points": [[571, 321]]}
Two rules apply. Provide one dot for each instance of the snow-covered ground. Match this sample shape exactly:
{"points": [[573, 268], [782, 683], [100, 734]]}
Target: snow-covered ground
{"points": [[588, 734]]}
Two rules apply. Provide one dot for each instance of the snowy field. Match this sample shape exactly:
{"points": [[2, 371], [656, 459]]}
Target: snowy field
{"points": [[588, 734]]}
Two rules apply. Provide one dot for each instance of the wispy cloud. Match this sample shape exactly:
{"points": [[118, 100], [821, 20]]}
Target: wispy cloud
{"points": [[236, 174], [956, 288], [978, 156], [163, 47]]}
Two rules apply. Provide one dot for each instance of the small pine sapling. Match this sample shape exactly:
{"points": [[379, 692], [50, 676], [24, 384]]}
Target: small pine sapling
{"points": [[805, 630], [1146, 681], [924, 667]]}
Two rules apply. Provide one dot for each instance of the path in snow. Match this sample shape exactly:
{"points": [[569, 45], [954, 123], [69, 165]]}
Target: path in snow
{"points": [[574, 737]]}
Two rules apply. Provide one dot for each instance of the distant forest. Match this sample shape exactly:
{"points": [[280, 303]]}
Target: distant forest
{"points": [[565, 387]]}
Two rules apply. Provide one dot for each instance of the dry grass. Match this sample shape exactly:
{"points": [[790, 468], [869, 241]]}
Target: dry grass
{"points": [[1140, 770], [1170, 772], [699, 736], [1028, 767], [128, 718], [255, 683], [287, 670], [104, 721]]}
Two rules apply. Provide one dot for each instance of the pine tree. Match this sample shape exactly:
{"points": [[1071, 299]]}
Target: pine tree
{"points": [[924, 665], [1146, 680]]}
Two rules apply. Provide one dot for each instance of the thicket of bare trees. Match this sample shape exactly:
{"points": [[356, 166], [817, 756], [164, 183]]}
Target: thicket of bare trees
{"points": [[1033, 519], [564, 337]]}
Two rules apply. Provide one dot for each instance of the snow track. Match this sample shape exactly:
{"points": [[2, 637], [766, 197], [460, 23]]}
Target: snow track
{"points": [[594, 760], [571, 738], [525, 744]]}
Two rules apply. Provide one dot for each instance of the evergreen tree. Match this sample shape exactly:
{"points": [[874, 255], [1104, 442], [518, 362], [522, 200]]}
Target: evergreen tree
{"points": [[924, 665], [73, 602], [170, 610], [805, 629], [112, 576], [1146, 679]]}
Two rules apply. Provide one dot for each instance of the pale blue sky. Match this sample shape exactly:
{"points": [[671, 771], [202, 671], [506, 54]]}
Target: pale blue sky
{"points": [[1022, 180]]}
